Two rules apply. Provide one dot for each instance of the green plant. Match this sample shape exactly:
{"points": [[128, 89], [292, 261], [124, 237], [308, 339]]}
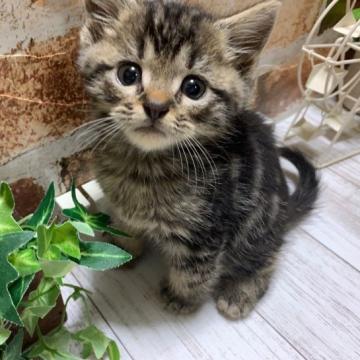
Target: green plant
{"points": [[337, 13], [43, 243], [334, 16]]}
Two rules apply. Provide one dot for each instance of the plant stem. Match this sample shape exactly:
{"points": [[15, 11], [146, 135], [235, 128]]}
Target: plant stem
{"points": [[24, 219], [77, 288], [42, 341]]}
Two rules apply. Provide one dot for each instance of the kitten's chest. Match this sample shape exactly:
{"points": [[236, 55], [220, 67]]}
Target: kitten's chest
{"points": [[161, 204]]}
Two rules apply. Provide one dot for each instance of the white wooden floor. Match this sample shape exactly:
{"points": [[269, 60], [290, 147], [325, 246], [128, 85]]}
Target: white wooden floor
{"points": [[311, 312]]}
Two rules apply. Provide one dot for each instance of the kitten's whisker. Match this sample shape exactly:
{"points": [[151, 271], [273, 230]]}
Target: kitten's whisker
{"points": [[186, 160], [95, 136], [85, 142], [94, 127], [208, 158], [204, 151], [87, 138], [95, 123], [200, 160], [116, 132], [181, 162], [203, 164], [173, 157], [91, 123], [193, 161], [89, 132], [105, 136], [173, 154]]}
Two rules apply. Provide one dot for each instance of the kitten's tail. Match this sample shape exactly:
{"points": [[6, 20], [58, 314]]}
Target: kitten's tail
{"points": [[303, 199]]}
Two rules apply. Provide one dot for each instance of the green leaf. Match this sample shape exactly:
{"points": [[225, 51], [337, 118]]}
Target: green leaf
{"points": [[9, 243], [57, 239], [40, 303], [45, 249], [14, 349], [112, 231], [87, 350], [99, 221], [74, 198], [43, 241], [79, 212], [30, 322], [19, 287], [7, 222], [356, 13], [98, 341], [4, 335], [54, 346], [45, 210], [83, 228], [47, 355], [74, 214], [56, 268], [113, 351], [65, 237], [25, 262], [44, 354], [102, 256], [59, 341]]}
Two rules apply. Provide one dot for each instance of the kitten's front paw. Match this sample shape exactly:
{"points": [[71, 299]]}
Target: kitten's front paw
{"points": [[235, 309], [174, 303]]}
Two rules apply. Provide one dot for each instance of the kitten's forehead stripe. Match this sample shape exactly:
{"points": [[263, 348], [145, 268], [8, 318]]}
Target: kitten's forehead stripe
{"points": [[192, 58], [141, 46], [172, 28], [96, 32]]}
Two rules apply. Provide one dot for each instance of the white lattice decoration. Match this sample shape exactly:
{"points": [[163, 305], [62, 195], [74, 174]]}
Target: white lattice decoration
{"points": [[333, 88]]}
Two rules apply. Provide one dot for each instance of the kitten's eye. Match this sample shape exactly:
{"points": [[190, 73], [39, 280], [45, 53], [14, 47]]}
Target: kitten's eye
{"points": [[193, 87], [129, 74]]}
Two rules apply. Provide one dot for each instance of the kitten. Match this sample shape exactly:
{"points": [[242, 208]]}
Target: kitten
{"points": [[184, 162]]}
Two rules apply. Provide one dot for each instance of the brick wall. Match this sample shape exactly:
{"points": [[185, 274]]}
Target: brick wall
{"points": [[42, 100]]}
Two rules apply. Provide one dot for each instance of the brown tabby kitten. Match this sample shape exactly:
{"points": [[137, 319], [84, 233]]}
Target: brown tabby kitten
{"points": [[184, 162]]}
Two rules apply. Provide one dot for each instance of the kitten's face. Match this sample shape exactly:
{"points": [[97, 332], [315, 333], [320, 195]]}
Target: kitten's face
{"points": [[168, 74]]}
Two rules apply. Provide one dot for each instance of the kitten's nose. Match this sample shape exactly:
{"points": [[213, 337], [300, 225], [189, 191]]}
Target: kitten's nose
{"points": [[156, 111]]}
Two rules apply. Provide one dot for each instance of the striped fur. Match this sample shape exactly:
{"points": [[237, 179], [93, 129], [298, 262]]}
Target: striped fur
{"points": [[207, 187]]}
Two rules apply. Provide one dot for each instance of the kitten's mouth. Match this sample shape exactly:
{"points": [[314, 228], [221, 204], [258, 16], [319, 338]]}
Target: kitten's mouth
{"points": [[150, 130], [149, 137]]}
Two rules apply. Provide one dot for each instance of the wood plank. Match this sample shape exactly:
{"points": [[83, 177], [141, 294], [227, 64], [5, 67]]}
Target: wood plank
{"points": [[130, 303], [315, 301], [336, 220], [77, 317], [348, 169]]}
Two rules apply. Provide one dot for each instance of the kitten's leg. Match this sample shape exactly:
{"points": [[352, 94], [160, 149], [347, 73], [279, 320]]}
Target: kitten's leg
{"points": [[236, 298], [190, 280]]}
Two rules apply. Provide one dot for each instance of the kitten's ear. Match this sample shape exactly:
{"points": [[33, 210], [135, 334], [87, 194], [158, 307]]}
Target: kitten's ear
{"points": [[100, 15], [247, 33], [102, 9]]}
